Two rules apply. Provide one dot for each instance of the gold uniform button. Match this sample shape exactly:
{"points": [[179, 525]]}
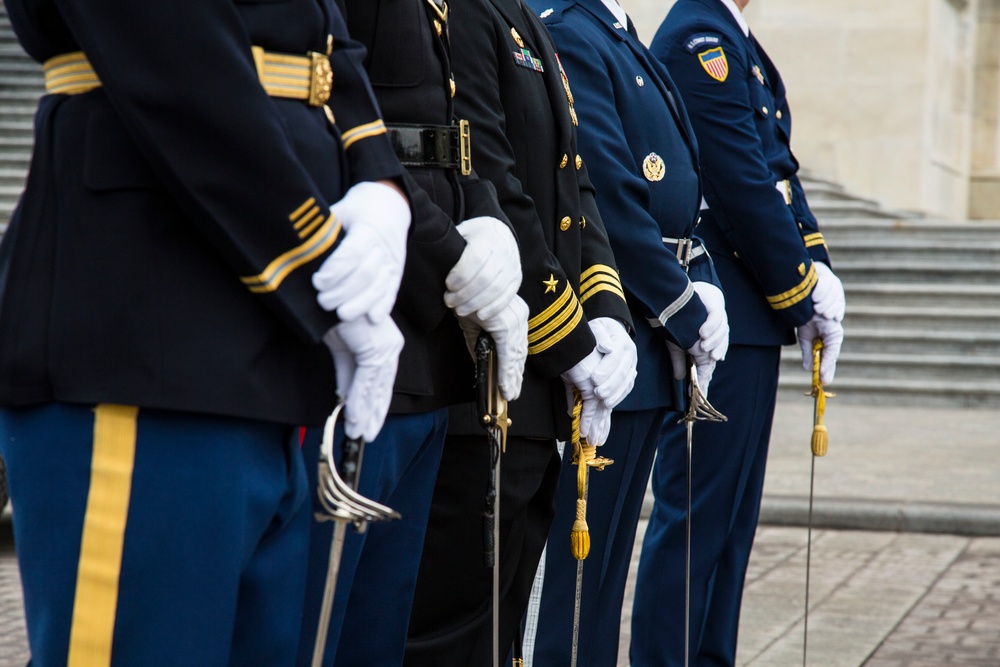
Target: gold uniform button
{"points": [[777, 114], [579, 161], [454, 88], [565, 223], [583, 222], [564, 161], [764, 109]]}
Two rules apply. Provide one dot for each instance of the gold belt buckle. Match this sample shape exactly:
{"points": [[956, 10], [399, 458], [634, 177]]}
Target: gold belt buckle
{"points": [[465, 146], [320, 79]]}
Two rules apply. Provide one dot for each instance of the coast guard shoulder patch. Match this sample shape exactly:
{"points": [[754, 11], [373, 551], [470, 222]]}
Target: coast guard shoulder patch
{"points": [[715, 63], [653, 167], [702, 40]]}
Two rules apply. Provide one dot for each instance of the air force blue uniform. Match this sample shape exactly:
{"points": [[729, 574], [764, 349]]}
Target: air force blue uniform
{"points": [[636, 138], [764, 243]]}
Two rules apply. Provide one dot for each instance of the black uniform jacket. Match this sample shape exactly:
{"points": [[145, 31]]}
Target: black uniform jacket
{"points": [[409, 65], [162, 252], [511, 87]]}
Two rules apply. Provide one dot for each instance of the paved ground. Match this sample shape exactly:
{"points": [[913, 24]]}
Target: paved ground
{"points": [[924, 594]]}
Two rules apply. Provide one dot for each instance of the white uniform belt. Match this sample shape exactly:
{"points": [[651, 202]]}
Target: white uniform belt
{"points": [[685, 250]]}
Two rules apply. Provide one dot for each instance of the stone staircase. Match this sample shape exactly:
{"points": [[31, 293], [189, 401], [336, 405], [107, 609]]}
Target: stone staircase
{"points": [[923, 314], [21, 85]]}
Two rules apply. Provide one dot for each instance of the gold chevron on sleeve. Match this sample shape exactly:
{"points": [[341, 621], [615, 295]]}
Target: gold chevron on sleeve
{"points": [[796, 294], [555, 322], [814, 239], [270, 278], [600, 278], [356, 134]]}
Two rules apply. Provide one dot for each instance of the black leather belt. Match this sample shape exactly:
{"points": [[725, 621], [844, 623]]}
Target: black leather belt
{"points": [[441, 146]]}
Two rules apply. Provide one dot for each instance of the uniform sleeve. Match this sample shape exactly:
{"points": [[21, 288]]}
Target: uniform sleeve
{"points": [[601, 291], [739, 184], [812, 237], [198, 113], [558, 333], [652, 276]]}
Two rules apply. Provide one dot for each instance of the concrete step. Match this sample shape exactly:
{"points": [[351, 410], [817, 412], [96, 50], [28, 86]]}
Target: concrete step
{"points": [[922, 342], [922, 318], [917, 295], [906, 270], [898, 392], [876, 252], [932, 369], [862, 229], [847, 208]]}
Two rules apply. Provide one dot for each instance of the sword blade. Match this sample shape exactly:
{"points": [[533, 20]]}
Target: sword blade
{"points": [[687, 550], [329, 590], [496, 556]]}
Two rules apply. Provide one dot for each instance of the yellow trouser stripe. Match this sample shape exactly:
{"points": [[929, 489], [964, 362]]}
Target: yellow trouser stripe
{"points": [[96, 600], [796, 294], [270, 279], [360, 132]]}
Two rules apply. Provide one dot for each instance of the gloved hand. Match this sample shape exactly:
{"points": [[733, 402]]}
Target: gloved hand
{"points": [[509, 329], [828, 295], [365, 355], [488, 274], [713, 338], [595, 416], [615, 373], [361, 277], [832, 333]]}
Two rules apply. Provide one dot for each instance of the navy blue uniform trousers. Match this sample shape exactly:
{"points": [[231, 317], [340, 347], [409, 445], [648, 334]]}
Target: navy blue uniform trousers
{"points": [[378, 568], [150, 537], [728, 463], [614, 501]]}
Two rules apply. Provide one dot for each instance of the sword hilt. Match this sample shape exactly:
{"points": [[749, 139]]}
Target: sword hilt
{"points": [[820, 437]]}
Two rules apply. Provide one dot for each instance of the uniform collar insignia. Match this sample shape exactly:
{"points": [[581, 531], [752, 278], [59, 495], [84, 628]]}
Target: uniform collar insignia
{"points": [[757, 73]]}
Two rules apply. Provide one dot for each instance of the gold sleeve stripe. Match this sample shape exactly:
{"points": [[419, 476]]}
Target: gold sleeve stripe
{"points": [[543, 316], [300, 211], [535, 335], [299, 221], [796, 294], [103, 541], [557, 336], [311, 227], [271, 278], [814, 239], [360, 132], [597, 268], [603, 287]]}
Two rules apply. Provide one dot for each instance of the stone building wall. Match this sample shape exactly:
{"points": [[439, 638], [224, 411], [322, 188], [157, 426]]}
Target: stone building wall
{"points": [[895, 99]]}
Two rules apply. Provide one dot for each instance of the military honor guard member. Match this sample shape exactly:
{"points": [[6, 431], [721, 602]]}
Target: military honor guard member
{"points": [[160, 331], [471, 270], [510, 86], [636, 138], [775, 270]]}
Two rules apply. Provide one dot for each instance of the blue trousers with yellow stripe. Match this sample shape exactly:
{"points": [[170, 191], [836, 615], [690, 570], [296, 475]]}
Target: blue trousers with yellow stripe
{"points": [[148, 537], [727, 478], [378, 568]]}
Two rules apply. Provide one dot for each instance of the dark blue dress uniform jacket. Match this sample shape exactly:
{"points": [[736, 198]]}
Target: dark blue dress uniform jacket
{"points": [[162, 252], [626, 88], [763, 248], [510, 87]]}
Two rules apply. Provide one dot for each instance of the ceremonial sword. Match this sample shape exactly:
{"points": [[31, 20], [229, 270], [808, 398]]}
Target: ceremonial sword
{"points": [[341, 503], [819, 443], [699, 409], [492, 407], [584, 457]]}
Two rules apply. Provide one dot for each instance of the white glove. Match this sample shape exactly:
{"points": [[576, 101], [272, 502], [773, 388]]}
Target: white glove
{"points": [[595, 416], [615, 373], [713, 338], [365, 355], [832, 333], [828, 295], [509, 329], [361, 277], [488, 274]]}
